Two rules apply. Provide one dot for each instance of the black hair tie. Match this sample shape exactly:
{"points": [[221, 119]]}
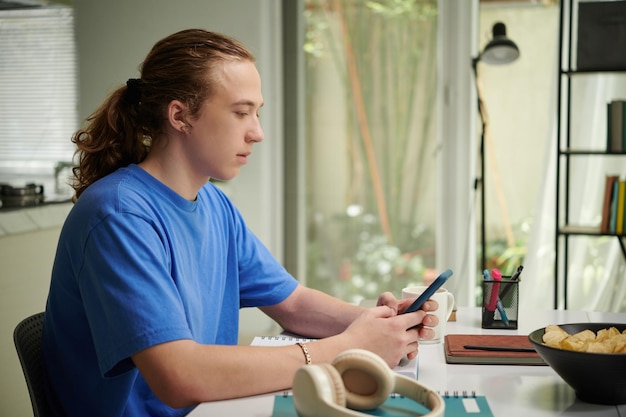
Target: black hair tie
{"points": [[133, 90]]}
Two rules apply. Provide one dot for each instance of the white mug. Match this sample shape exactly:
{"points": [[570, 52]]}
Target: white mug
{"points": [[444, 298]]}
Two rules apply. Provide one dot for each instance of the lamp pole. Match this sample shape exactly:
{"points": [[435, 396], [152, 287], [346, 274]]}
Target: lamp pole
{"points": [[499, 51], [481, 180]]}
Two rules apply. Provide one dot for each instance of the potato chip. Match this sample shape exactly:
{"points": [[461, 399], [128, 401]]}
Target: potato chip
{"points": [[574, 343], [600, 347], [604, 334], [554, 335], [620, 343], [585, 335], [608, 340]]}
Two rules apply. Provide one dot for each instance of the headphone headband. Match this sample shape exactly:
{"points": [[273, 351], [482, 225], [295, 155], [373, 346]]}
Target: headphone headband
{"points": [[356, 380], [421, 394]]}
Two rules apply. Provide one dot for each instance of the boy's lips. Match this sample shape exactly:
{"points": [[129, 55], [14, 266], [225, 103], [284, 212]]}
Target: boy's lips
{"points": [[243, 157]]}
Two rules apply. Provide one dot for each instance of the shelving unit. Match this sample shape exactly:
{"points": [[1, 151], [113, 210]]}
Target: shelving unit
{"points": [[565, 153]]}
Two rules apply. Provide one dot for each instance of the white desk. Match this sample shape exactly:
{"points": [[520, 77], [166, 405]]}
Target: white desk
{"points": [[512, 391]]}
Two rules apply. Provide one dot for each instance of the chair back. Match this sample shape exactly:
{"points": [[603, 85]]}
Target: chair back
{"points": [[27, 338]]}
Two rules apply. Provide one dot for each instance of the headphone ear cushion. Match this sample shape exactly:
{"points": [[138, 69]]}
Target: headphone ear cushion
{"points": [[366, 377], [316, 389], [338, 391]]}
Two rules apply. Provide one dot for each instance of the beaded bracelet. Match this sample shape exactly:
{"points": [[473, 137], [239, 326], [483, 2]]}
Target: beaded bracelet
{"points": [[307, 355]]}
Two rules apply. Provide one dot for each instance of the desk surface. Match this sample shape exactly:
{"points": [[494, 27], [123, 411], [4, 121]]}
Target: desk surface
{"points": [[512, 391]]}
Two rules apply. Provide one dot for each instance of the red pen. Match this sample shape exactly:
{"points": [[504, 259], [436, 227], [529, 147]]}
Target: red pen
{"points": [[495, 289]]}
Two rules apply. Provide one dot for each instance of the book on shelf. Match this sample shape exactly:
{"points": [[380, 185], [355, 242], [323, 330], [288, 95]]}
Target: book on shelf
{"points": [[616, 126], [623, 148], [624, 212], [613, 219], [607, 205], [619, 212], [616, 131]]}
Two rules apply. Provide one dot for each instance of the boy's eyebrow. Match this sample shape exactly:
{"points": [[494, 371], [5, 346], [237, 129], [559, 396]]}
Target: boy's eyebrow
{"points": [[247, 103]]}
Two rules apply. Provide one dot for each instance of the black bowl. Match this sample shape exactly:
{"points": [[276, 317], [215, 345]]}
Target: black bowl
{"points": [[598, 378]]}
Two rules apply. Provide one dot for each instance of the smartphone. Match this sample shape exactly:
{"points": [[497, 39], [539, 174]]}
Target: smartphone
{"points": [[432, 288]]}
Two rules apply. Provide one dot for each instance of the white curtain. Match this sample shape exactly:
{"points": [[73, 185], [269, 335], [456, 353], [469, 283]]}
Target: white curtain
{"points": [[597, 268]]}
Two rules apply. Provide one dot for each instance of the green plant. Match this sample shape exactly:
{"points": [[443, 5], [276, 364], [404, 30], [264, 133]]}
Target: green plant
{"points": [[364, 263], [384, 53]]}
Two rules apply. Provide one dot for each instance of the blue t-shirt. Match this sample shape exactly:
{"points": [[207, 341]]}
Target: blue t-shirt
{"points": [[138, 265]]}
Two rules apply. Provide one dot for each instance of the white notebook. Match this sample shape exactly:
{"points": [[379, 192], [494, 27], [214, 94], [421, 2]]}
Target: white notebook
{"points": [[409, 369]]}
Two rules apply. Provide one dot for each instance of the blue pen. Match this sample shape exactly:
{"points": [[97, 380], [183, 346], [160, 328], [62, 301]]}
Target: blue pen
{"points": [[499, 305]]}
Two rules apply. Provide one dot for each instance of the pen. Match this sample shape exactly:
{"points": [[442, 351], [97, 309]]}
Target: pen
{"points": [[486, 277], [489, 314], [515, 277], [500, 348], [495, 302], [517, 273], [495, 289]]}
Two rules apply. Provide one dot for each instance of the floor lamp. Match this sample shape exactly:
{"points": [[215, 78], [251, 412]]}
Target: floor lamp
{"points": [[499, 51]]}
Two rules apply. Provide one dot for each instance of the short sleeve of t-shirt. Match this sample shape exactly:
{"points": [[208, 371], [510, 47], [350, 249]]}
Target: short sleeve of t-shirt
{"points": [[129, 296]]}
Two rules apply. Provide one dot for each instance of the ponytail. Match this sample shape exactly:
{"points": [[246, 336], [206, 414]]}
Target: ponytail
{"points": [[113, 139]]}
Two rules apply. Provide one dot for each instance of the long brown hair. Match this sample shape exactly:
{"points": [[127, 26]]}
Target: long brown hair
{"points": [[121, 131]]}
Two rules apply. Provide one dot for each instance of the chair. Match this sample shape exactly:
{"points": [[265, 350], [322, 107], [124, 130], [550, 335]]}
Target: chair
{"points": [[27, 338]]}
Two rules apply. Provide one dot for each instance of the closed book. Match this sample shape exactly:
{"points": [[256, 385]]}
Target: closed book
{"points": [[613, 216], [456, 350], [606, 205], [624, 216], [619, 213], [617, 126], [609, 123], [623, 129], [457, 405]]}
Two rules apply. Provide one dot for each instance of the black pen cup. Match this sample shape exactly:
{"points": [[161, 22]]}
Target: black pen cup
{"points": [[500, 304]]}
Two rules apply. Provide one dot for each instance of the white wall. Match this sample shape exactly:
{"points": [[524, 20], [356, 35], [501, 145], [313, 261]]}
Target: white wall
{"points": [[28, 241]]}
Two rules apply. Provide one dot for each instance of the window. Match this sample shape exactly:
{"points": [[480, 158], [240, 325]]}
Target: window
{"points": [[38, 95], [371, 74]]}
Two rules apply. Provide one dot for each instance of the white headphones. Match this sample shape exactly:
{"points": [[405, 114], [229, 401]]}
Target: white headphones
{"points": [[357, 379]]}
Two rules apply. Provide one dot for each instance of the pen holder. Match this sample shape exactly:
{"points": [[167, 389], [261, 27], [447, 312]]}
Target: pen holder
{"points": [[500, 304]]}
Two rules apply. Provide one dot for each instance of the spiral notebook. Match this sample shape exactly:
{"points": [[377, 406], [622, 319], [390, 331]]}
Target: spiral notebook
{"points": [[408, 368], [457, 405]]}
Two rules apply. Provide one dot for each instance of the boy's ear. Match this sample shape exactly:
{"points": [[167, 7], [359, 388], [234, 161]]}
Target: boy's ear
{"points": [[177, 116]]}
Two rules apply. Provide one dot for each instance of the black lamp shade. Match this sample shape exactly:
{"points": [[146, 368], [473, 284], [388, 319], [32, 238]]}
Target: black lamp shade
{"points": [[500, 50]]}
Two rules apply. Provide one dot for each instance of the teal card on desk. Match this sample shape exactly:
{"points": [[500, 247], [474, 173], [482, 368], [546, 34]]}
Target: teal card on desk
{"points": [[397, 406]]}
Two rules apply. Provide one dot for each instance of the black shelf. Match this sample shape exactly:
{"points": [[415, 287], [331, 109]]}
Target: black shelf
{"points": [[573, 230], [581, 152], [564, 230], [592, 72], [586, 231]]}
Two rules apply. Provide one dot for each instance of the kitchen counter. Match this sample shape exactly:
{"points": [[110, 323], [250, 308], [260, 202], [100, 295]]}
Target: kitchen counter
{"points": [[14, 220]]}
